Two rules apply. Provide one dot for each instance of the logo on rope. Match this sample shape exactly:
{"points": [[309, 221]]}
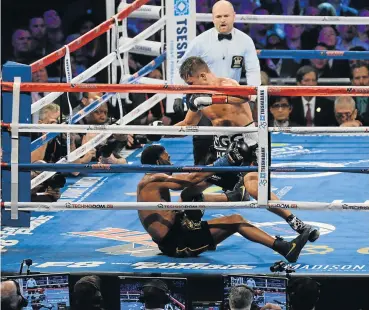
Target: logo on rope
{"points": [[179, 207], [284, 205], [70, 205], [334, 53], [181, 7], [99, 166], [359, 90], [97, 127], [263, 181], [353, 207]]}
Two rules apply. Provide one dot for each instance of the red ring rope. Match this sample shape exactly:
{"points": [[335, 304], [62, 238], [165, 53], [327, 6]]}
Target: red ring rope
{"points": [[175, 89]]}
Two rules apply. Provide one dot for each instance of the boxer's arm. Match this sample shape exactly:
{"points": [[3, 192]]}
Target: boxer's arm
{"points": [[192, 119], [234, 99]]}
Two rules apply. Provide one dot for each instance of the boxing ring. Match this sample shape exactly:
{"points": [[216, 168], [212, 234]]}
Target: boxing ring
{"points": [[314, 171]]}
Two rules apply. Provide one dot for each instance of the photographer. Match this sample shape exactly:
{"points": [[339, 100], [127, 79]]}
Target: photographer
{"points": [[51, 152], [303, 293], [155, 294], [55, 149], [241, 297], [87, 294], [11, 296], [48, 191], [108, 152]]}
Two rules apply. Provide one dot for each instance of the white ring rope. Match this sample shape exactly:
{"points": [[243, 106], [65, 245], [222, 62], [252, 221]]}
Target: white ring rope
{"points": [[315, 206], [101, 64], [101, 137], [153, 12], [145, 11], [146, 80], [290, 19], [177, 130]]}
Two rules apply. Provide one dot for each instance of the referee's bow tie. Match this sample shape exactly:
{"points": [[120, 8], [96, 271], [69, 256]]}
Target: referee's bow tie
{"points": [[222, 36]]}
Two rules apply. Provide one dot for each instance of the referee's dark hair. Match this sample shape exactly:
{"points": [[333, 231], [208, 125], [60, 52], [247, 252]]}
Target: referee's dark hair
{"points": [[191, 66]]}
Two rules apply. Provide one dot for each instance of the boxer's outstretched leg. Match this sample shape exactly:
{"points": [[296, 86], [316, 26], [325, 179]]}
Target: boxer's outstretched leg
{"points": [[251, 185], [223, 227]]}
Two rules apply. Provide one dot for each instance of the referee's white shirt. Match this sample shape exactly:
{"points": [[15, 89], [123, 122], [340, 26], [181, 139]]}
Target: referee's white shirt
{"points": [[225, 58]]}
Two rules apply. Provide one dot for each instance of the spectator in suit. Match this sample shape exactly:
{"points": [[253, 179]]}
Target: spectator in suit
{"points": [[280, 110], [348, 38], [354, 61], [360, 77], [345, 112], [330, 68], [308, 37], [328, 36], [278, 67], [311, 111]]}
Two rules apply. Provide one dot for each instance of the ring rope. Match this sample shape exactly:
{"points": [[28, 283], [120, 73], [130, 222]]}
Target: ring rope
{"points": [[290, 19], [97, 103], [174, 89], [174, 130], [115, 168], [61, 206], [87, 37], [97, 67], [153, 12], [101, 137], [311, 54]]}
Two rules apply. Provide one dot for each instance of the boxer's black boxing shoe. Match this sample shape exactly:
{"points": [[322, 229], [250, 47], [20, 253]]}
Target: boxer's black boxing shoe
{"points": [[291, 250]]}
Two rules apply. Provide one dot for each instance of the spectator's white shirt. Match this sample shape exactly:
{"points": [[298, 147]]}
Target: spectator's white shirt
{"points": [[312, 106], [226, 57], [31, 283], [251, 283]]}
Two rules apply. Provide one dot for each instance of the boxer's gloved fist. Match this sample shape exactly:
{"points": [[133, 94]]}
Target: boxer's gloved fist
{"points": [[197, 102], [237, 152], [155, 138]]}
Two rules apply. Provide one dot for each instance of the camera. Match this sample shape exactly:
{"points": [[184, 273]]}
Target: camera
{"points": [[281, 266], [140, 139]]}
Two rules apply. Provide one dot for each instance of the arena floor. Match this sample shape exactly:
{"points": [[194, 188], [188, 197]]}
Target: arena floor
{"points": [[115, 240]]}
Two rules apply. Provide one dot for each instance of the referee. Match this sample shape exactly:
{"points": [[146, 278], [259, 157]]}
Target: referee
{"points": [[226, 50]]}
